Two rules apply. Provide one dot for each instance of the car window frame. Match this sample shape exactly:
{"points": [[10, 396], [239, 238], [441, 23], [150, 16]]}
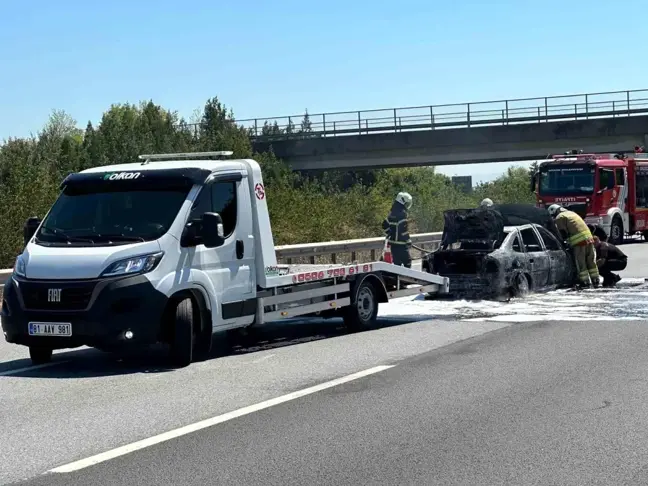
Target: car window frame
{"points": [[538, 238], [551, 237]]}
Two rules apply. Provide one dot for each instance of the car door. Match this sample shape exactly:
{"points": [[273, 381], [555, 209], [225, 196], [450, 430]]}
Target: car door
{"points": [[537, 259], [560, 268], [228, 267]]}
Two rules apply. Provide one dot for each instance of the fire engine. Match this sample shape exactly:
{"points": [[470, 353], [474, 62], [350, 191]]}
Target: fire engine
{"points": [[608, 190]]}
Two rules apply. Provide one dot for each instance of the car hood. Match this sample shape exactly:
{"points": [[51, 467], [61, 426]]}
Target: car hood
{"points": [[60, 262], [472, 225]]}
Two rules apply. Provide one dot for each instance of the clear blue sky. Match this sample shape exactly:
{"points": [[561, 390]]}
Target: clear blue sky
{"points": [[267, 59]]}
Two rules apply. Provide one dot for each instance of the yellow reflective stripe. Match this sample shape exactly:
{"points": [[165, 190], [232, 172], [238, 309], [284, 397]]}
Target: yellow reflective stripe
{"points": [[593, 272], [579, 237], [398, 242]]}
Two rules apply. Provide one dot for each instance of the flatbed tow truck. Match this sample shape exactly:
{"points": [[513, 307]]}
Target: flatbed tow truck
{"points": [[174, 249]]}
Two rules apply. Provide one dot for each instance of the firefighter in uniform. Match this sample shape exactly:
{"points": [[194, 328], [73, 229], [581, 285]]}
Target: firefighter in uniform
{"points": [[580, 239], [396, 230], [609, 258]]}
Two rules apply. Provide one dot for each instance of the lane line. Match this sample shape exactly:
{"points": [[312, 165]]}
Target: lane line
{"points": [[188, 429], [30, 368]]}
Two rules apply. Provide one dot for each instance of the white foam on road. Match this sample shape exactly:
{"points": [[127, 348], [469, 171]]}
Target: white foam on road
{"points": [[627, 302]]}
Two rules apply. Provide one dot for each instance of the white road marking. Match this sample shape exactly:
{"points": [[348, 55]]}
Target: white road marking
{"points": [[30, 368], [188, 429]]}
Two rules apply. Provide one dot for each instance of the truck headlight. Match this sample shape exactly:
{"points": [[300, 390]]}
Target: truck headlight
{"points": [[133, 265], [20, 267]]}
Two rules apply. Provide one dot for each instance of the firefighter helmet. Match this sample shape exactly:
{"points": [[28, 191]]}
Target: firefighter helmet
{"points": [[405, 199], [554, 209], [486, 203]]}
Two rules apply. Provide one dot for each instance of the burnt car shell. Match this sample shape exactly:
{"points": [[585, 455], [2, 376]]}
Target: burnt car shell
{"points": [[487, 259], [469, 237]]}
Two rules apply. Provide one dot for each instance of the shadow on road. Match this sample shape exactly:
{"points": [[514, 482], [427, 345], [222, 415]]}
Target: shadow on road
{"points": [[90, 363]]}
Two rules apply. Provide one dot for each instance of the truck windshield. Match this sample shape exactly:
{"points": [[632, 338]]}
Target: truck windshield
{"points": [[87, 215], [572, 179]]}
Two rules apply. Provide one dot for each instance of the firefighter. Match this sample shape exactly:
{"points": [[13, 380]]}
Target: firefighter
{"points": [[396, 230], [609, 258], [580, 239], [486, 203]]}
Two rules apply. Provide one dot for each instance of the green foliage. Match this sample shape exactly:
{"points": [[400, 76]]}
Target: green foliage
{"points": [[336, 205]]}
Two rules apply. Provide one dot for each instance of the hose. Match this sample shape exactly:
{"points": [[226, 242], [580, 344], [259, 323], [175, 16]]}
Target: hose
{"points": [[427, 252]]}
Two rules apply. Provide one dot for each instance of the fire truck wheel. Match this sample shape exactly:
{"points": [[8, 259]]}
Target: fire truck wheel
{"points": [[616, 231]]}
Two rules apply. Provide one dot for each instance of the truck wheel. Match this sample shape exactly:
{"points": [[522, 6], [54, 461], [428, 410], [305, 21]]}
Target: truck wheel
{"points": [[40, 355], [363, 312], [616, 231], [183, 336]]}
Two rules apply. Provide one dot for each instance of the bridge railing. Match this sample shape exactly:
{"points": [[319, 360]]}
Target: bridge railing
{"points": [[348, 251], [458, 115]]}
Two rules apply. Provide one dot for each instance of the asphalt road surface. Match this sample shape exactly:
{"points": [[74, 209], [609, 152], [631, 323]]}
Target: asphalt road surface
{"points": [[550, 403], [535, 403]]}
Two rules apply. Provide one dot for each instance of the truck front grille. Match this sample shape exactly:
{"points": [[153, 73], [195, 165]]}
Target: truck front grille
{"points": [[53, 295]]}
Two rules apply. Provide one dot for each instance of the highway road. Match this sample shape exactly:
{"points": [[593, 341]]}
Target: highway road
{"points": [[549, 403], [442, 401]]}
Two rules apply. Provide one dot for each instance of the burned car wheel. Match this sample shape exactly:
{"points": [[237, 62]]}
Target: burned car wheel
{"points": [[521, 286]]}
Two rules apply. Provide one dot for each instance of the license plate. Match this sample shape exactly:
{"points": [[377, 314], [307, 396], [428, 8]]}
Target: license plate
{"points": [[50, 329]]}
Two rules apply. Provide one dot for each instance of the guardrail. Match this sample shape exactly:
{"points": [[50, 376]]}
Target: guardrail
{"points": [[457, 115], [366, 249]]}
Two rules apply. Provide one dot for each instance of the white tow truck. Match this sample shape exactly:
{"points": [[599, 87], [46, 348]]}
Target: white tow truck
{"points": [[174, 249]]}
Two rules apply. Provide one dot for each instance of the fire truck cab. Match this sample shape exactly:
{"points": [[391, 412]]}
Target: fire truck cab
{"points": [[608, 190]]}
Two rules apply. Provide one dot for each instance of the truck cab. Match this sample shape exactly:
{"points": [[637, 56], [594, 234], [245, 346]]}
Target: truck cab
{"points": [[123, 245], [595, 186]]}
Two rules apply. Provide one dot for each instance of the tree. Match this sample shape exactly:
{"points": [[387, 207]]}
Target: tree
{"points": [[306, 125], [290, 128]]}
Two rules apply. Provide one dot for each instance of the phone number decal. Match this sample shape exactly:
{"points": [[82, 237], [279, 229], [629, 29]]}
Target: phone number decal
{"points": [[331, 273]]}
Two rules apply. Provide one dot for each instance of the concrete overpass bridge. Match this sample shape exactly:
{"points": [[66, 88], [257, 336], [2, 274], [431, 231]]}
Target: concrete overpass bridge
{"points": [[479, 132]]}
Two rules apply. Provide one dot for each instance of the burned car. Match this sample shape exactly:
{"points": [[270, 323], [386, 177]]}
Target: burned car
{"points": [[502, 251]]}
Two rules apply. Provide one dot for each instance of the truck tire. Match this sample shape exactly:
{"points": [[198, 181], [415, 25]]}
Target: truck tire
{"points": [[616, 231], [363, 311], [183, 334], [40, 355]]}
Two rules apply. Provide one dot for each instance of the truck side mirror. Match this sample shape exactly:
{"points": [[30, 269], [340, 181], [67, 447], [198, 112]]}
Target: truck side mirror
{"points": [[532, 182], [213, 232], [29, 228]]}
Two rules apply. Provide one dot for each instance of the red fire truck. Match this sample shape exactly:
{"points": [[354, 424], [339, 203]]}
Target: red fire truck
{"points": [[609, 190]]}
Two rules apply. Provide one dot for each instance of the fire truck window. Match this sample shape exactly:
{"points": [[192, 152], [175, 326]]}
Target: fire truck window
{"points": [[620, 180], [606, 179], [566, 180], [642, 189]]}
